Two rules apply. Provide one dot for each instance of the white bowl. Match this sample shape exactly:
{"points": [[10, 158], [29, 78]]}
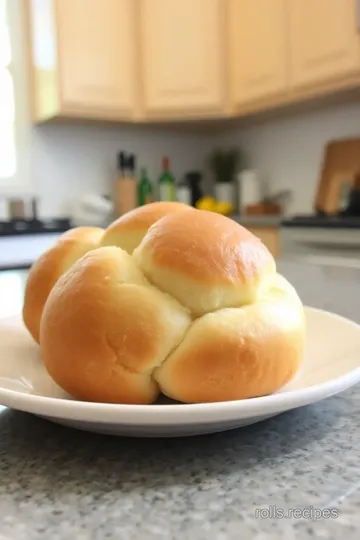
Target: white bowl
{"points": [[331, 365]]}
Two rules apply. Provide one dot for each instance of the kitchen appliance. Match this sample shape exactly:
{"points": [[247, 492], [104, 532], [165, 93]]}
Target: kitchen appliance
{"points": [[322, 239]]}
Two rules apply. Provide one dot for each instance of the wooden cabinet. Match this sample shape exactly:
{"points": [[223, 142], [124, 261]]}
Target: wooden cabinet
{"points": [[182, 56], [84, 58], [146, 60], [270, 237], [96, 41], [325, 41], [258, 48]]}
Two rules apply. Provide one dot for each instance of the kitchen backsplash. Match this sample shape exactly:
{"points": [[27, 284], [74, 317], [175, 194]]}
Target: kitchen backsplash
{"points": [[288, 151], [68, 160]]}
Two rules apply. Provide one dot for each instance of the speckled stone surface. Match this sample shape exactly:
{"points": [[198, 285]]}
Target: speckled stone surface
{"points": [[60, 484]]}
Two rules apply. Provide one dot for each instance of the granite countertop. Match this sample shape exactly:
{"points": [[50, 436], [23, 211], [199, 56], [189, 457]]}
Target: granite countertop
{"points": [[61, 484]]}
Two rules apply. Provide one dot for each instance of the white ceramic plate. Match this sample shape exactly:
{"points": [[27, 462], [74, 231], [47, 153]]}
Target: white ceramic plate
{"points": [[331, 364]]}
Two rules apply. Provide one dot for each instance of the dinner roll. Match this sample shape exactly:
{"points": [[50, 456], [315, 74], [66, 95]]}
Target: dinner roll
{"points": [[197, 311], [238, 353], [50, 266], [105, 328], [128, 230], [206, 261]]}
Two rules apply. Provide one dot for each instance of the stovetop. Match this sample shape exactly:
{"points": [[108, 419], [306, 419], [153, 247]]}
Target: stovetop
{"points": [[33, 226], [323, 221]]}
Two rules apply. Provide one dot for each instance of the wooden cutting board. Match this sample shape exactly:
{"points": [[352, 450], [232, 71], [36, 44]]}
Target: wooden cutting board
{"points": [[341, 164]]}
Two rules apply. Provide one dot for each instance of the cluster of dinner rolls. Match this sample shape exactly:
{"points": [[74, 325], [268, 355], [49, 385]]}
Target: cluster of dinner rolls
{"points": [[167, 299]]}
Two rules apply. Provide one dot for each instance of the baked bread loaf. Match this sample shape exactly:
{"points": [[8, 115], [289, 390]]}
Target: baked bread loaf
{"points": [[105, 329], [44, 273], [128, 230], [198, 312]]}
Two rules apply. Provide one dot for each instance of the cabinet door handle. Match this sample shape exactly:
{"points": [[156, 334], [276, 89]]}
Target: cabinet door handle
{"points": [[358, 15]]}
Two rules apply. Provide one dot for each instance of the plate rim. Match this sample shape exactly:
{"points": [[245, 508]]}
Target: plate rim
{"points": [[183, 413]]}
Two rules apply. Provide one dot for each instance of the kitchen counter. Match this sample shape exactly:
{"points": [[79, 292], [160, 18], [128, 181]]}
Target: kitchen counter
{"points": [[258, 220], [61, 484], [267, 228]]}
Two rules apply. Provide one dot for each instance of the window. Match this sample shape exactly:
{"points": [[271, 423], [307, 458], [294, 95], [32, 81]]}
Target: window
{"points": [[14, 121], [7, 116]]}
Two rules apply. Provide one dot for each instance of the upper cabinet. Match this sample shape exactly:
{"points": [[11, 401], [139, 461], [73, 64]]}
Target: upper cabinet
{"points": [[258, 49], [84, 58], [182, 52], [97, 57], [325, 41], [156, 60]]}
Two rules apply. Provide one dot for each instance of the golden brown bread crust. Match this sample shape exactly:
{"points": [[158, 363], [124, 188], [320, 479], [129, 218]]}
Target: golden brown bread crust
{"points": [[207, 262], [107, 335], [50, 266], [238, 353], [104, 329], [197, 311], [128, 230]]}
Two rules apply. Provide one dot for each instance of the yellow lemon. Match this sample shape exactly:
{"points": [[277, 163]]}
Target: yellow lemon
{"points": [[224, 208], [206, 203]]}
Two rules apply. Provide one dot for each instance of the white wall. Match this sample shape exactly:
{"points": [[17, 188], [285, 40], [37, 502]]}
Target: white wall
{"points": [[67, 160], [288, 151]]}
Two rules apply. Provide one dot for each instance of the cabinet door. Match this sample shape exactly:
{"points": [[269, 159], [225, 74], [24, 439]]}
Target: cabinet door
{"points": [[257, 31], [96, 51], [325, 40], [183, 64]]}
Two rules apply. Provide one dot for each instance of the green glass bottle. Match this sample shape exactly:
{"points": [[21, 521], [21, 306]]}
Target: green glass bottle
{"points": [[144, 188], [166, 182]]}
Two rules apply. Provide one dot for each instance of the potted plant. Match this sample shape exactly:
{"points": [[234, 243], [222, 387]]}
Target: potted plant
{"points": [[223, 164]]}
